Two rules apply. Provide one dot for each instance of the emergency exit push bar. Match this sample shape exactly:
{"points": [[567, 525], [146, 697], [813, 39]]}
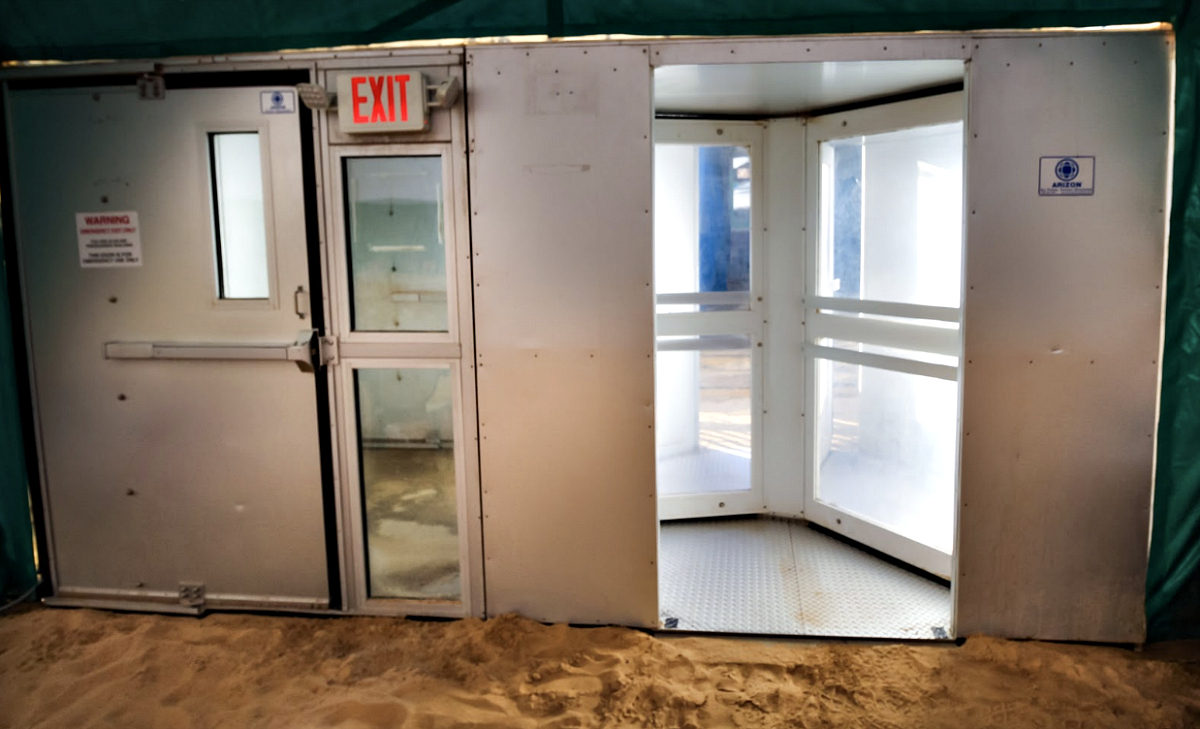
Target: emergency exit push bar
{"points": [[302, 351]]}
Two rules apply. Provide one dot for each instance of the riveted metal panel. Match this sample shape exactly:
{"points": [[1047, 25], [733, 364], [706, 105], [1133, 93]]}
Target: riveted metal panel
{"points": [[1062, 328], [561, 229]]}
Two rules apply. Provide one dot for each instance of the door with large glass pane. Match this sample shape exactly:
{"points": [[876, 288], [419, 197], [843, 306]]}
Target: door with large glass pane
{"points": [[883, 301], [408, 465], [708, 318]]}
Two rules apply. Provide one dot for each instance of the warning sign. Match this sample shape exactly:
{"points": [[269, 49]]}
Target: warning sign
{"points": [[108, 240]]}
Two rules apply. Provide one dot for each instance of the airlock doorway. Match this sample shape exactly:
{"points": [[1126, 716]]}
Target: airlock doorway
{"points": [[850, 332]]}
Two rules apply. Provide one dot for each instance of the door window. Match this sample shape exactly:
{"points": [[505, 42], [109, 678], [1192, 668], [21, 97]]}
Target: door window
{"points": [[397, 244], [709, 329], [702, 227], [239, 216], [409, 482], [886, 452], [891, 216], [705, 437]]}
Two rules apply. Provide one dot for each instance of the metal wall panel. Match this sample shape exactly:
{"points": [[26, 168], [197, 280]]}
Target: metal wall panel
{"points": [[1062, 336], [561, 229]]}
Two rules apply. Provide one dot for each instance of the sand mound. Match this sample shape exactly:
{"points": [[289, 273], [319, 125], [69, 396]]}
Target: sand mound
{"points": [[78, 668]]}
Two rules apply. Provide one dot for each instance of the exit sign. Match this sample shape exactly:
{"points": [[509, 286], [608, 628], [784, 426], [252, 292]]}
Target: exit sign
{"points": [[381, 101]]}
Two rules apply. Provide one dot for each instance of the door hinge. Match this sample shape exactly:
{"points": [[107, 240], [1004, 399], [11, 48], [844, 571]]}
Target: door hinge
{"points": [[191, 594], [151, 87], [328, 350]]}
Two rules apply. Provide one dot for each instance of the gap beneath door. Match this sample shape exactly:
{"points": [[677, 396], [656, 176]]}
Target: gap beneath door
{"points": [[772, 576]]}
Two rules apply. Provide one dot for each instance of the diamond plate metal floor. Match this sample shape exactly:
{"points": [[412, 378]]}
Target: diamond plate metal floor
{"points": [[769, 576]]}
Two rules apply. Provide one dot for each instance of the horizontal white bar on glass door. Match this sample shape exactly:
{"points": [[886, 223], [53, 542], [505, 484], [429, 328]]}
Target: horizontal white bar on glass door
{"points": [[702, 344], [715, 298], [884, 332], [883, 308], [686, 324], [883, 362]]}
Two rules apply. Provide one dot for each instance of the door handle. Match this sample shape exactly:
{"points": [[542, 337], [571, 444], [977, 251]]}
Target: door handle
{"points": [[303, 351], [300, 302]]}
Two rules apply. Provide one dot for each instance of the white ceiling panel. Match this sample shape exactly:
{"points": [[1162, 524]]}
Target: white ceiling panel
{"points": [[782, 89]]}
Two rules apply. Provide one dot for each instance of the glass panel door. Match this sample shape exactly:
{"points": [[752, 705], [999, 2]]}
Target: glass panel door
{"points": [[883, 327], [709, 319], [402, 394], [406, 437]]}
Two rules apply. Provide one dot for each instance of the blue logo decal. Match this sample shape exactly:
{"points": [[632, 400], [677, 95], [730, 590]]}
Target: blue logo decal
{"points": [[282, 101], [1067, 169], [1067, 175]]}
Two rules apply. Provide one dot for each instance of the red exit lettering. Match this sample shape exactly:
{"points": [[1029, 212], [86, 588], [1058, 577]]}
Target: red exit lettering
{"points": [[382, 98]]}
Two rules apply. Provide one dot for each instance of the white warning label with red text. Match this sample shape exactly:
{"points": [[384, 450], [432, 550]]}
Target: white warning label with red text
{"points": [[108, 240]]}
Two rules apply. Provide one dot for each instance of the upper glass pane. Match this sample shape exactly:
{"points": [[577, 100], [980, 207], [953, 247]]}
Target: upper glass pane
{"points": [[410, 499], [397, 244], [702, 227], [891, 216], [239, 216]]}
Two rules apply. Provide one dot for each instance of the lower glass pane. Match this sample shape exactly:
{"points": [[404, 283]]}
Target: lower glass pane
{"points": [[885, 451], [410, 504], [704, 417]]}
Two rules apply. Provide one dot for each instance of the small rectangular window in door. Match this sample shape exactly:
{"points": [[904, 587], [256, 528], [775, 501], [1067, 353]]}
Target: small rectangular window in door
{"points": [[408, 480], [239, 216], [397, 244]]}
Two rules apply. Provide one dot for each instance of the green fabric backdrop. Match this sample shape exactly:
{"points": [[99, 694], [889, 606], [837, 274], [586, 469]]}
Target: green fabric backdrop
{"points": [[75, 30], [17, 572]]}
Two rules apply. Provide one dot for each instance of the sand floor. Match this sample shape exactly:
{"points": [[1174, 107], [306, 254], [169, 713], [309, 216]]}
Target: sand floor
{"points": [[80, 668]]}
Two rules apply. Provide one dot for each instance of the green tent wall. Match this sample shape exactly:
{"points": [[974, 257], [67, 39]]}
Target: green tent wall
{"points": [[77, 30]]}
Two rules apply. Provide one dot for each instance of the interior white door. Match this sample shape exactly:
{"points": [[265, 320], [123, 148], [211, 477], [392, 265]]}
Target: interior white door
{"points": [[883, 301], [709, 317], [178, 432]]}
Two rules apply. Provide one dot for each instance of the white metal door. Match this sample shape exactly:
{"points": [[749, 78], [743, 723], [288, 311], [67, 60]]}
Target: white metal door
{"points": [[178, 432], [709, 317], [883, 311]]}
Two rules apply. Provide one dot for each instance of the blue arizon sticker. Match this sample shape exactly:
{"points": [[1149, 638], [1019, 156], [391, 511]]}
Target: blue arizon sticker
{"points": [[280, 101], [1067, 175]]}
